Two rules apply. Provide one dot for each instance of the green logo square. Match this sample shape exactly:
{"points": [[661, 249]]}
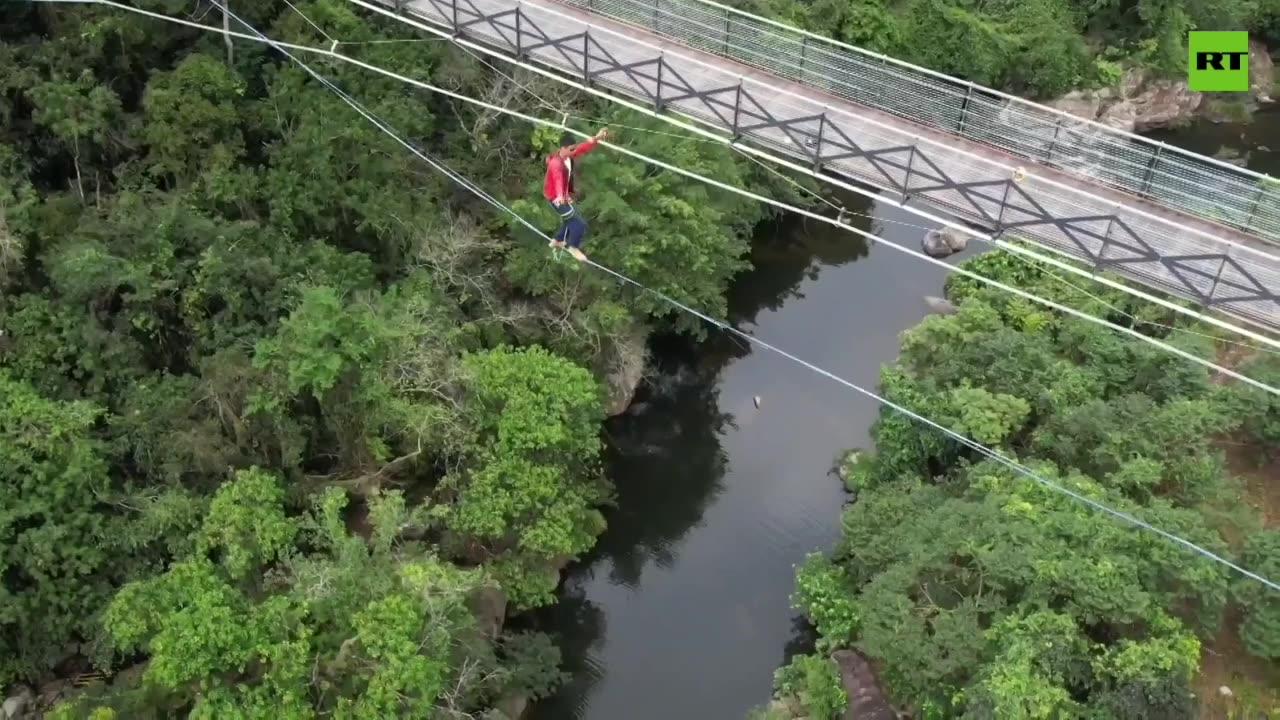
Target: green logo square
{"points": [[1218, 62]]}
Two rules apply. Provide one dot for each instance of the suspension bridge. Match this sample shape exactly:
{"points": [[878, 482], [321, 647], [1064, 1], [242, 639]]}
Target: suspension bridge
{"points": [[1192, 226]]}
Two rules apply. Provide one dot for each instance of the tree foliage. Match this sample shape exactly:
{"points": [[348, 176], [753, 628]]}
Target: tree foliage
{"points": [[531, 481], [353, 629], [1261, 628], [1039, 48], [983, 593], [815, 682], [238, 321]]}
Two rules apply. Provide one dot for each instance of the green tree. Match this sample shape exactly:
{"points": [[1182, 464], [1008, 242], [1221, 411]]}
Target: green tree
{"points": [[17, 200], [352, 629], [824, 593], [79, 113], [1260, 410], [1039, 659], [192, 118], [1261, 627], [53, 473], [815, 681], [246, 527], [532, 481], [983, 593]]}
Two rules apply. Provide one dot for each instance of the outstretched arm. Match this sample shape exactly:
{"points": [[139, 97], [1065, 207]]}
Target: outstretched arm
{"points": [[583, 148]]}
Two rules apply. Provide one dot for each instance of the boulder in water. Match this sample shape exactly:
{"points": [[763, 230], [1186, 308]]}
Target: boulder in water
{"points": [[944, 242], [939, 306], [956, 240]]}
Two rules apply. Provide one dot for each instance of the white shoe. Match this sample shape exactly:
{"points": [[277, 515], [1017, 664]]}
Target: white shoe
{"points": [[578, 254]]}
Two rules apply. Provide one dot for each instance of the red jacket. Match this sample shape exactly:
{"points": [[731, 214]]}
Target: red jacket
{"points": [[559, 182]]}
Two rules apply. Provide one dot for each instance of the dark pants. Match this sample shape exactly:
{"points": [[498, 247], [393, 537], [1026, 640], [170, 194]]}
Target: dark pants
{"points": [[572, 227]]}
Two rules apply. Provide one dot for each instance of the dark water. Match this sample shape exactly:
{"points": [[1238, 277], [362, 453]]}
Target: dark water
{"points": [[682, 611], [1255, 144]]}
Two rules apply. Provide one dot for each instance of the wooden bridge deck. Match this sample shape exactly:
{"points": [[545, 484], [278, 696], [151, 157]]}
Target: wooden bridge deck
{"points": [[1212, 265]]}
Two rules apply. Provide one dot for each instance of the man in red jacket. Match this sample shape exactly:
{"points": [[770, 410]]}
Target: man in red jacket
{"points": [[558, 190]]}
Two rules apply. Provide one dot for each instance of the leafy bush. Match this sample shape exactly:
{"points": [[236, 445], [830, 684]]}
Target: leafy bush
{"points": [[815, 681], [980, 592], [1260, 410], [825, 596], [1261, 627]]}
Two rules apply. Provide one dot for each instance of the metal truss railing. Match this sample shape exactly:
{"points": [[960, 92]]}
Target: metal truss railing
{"points": [[1194, 184], [1209, 271]]}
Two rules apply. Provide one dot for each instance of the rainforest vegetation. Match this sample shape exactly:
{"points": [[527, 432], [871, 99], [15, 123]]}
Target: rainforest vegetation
{"points": [[980, 593], [288, 422], [1038, 48]]}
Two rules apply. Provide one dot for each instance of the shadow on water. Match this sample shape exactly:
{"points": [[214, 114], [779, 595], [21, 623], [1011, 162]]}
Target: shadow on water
{"points": [[682, 609], [786, 253]]}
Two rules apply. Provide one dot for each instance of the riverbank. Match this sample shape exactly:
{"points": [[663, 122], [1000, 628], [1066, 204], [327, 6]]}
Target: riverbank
{"points": [[971, 588], [1142, 99]]}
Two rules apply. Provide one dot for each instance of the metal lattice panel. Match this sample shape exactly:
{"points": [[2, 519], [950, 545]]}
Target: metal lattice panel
{"points": [[936, 100], [1140, 245]]}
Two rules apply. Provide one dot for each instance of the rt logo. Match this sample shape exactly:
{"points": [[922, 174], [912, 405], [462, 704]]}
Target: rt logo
{"points": [[1219, 61]]}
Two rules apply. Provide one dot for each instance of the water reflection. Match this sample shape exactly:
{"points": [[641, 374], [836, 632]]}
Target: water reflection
{"points": [[790, 251], [668, 465]]}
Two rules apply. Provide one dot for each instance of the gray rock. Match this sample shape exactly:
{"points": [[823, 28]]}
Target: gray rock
{"points": [[15, 706], [1262, 72], [627, 362], [939, 306], [944, 242], [1161, 103], [1141, 102], [513, 706], [1081, 103], [489, 604]]}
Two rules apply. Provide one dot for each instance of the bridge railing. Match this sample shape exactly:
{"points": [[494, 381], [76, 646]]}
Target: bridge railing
{"points": [[1194, 184]]}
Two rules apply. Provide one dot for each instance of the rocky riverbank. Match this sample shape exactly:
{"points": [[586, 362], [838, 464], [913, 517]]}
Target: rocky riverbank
{"points": [[1140, 101]]}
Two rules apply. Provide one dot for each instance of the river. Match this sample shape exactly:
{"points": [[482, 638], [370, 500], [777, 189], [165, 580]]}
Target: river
{"points": [[682, 610]]}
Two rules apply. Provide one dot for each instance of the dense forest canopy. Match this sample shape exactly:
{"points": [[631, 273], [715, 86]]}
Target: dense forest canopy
{"points": [[286, 419], [982, 594], [289, 423], [1040, 48]]}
